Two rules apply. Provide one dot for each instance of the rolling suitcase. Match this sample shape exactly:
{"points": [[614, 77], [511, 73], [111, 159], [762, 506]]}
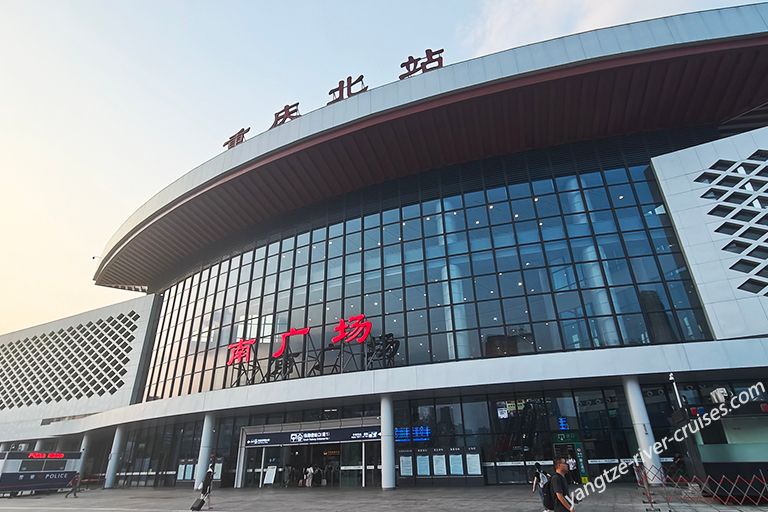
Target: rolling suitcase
{"points": [[198, 504]]}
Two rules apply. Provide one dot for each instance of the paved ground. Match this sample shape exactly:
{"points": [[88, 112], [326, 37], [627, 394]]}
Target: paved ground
{"points": [[476, 499]]}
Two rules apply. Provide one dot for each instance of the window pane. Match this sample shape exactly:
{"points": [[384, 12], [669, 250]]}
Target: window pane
{"points": [[552, 228], [433, 225], [541, 307], [522, 209], [547, 337], [511, 284], [617, 272], [694, 325], [575, 334], [637, 243], [604, 333], [503, 236], [571, 202], [547, 206], [645, 269], [563, 278], [477, 216], [568, 305], [589, 275], [515, 310], [536, 280], [596, 302], [465, 316], [442, 347], [596, 199], [633, 329], [625, 299], [500, 213]]}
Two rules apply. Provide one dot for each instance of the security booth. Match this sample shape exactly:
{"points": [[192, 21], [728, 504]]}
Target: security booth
{"points": [[37, 470]]}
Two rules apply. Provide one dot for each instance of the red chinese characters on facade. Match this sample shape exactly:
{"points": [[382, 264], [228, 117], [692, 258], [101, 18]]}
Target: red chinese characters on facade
{"points": [[433, 59], [358, 330], [237, 138], [240, 352], [344, 89], [288, 113], [284, 337]]}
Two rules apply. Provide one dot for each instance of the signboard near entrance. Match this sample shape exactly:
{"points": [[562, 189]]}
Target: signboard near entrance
{"points": [[269, 478], [336, 435]]}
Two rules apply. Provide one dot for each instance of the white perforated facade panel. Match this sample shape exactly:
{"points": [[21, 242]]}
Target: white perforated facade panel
{"points": [[72, 367], [717, 197]]}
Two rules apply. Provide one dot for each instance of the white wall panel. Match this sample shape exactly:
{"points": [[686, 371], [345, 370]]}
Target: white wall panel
{"points": [[732, 285]]}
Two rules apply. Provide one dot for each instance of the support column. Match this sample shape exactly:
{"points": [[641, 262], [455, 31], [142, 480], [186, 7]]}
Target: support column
{"points": [[114, 458], [84, 447], [206, 444], [642, 426], [387, 443], [4, 447], [60, 444], [39, 445]]}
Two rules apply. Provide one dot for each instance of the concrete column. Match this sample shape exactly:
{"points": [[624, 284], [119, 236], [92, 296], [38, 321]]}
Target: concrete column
{"points": [[39, 445], [387, 443], [206, 445], [84, 447], [114, 458], [642, 427]]}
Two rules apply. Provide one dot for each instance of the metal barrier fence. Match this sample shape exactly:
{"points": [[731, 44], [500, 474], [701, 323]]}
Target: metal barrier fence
{"points": [[662, 491]]}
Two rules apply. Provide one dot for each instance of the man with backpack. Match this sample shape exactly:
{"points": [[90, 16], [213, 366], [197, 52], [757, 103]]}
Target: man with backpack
{"points": [[559, 487], [555, 491]]}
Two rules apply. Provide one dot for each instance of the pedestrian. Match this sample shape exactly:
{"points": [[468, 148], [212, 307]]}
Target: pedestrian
{"points": [[678, 467], [74, 484], [540, 479], [207, 489], [308, 476], [560, 486], [573, 472]]}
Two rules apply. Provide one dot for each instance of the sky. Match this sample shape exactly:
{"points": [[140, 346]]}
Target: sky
{"points": [[104, 103]]}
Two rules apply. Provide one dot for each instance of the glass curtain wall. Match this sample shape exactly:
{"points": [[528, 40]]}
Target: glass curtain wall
{"points": [[568, 249]]}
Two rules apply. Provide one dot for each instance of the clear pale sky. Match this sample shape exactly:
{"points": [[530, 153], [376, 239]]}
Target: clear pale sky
{"points": [[103, 103]]}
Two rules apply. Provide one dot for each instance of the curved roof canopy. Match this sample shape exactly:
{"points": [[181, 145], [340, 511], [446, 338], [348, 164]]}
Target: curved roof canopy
{"points": [[692, 69]]}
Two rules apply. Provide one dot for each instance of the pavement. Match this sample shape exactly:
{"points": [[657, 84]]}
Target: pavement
{"points": [[616, 498]]}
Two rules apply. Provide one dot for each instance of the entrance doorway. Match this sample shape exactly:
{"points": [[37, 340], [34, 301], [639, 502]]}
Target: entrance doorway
{"points": [[334, 465]]}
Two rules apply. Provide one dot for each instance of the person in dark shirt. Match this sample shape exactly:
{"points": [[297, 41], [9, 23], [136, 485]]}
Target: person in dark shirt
{"points": [[560, 486]]}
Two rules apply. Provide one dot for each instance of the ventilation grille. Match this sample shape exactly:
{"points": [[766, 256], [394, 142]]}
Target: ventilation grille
{"points": [[79, 362], [740, 189]]}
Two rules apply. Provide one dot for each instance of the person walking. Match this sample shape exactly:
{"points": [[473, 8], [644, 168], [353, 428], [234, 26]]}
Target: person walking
{"points": [[540, 479], [74, 484], [207, 489], [560, 486], [309, 473], [573, 472]]}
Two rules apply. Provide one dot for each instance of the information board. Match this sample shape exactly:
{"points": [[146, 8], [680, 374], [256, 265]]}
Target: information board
{"points": [[422, 465], [406, 466], [438, 463], [456, 463], [473, 464]]}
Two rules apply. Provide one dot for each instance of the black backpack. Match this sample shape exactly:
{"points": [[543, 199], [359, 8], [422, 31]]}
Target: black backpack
{"points": [[549, 499]]}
